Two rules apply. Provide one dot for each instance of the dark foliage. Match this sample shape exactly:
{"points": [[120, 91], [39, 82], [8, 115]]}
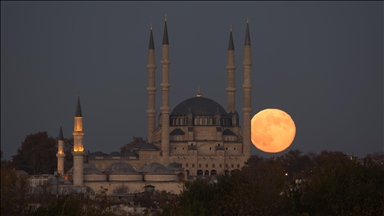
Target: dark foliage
{"points": [[37, 154], [330, 183]]}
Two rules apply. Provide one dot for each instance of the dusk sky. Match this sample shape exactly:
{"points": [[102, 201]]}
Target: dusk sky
{"points": [[321, 62]]}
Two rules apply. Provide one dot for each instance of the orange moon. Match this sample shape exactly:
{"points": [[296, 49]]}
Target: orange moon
{"points": [[272, 130]]}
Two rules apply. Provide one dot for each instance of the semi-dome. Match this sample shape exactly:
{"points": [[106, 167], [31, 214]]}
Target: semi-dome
{"points": [[155, 168], [120, 167], [144, 168], [115, 153], [199, 106], [53, 180], [125, 170], [87, 169], [98, 153], [131, 154], [90, 169], [144, 145]]}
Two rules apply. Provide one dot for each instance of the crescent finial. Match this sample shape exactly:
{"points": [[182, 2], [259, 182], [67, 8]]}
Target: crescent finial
{"points": [[165, 17], [198, 92]]}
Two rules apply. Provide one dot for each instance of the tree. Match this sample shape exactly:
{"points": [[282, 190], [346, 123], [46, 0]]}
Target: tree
{"points": [[341, 186], [120, 189], [68, 148], [14, 193], [129, 146], [37, 154], [77, 204], [5, 163]]}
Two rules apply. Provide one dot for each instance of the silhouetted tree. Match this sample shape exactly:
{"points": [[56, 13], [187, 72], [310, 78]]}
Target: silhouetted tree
{"points": [[129, 146], [37, 154], [5, 163], [68, 160], [333, 184], [14, 193], [120, 189], [341, 186]]}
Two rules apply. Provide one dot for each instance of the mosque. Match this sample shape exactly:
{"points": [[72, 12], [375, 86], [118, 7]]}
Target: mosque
{"points": [[198, 138]]}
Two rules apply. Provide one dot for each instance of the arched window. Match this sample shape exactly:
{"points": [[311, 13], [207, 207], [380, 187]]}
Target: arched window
{"points": [[206, 173], [213, 172], [201, 121], [182, 121], [205, 121], [199, 172], [196, 121], [187, 172]]}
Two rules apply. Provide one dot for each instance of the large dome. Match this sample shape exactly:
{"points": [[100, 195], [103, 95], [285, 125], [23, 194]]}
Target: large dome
{"points": [[199, 106]]}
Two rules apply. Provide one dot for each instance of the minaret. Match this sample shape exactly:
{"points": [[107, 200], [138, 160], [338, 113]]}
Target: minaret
{"points": [[151, 89], [78, 147], [165, 109], [60, 152], [247, 110], [231, 74]]}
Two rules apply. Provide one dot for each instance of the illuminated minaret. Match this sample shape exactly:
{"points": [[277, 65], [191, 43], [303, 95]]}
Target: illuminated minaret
{"points": [[165, 109], [78, 148], [60, 152], [247, 110], [231, 74], [151, 111]]}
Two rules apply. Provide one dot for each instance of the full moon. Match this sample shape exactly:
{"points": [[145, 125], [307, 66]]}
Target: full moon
{"points": [[272, 130]]}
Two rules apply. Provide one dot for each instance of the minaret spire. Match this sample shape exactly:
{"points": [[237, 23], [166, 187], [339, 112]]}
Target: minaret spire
{"points": [[60, 152], [165, 36], [247, 35], [151, 89], [230, 45], [165, 109], [231, 90], [78, 146], [78, 108], [247, 110], [151, 43], [61, 133]]}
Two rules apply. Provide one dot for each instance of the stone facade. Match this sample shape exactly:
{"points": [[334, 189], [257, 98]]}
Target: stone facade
{"points": [[197, 138]]}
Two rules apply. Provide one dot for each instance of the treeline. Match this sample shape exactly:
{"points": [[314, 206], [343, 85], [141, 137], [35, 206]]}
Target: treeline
{"points": [[329, 183]]}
